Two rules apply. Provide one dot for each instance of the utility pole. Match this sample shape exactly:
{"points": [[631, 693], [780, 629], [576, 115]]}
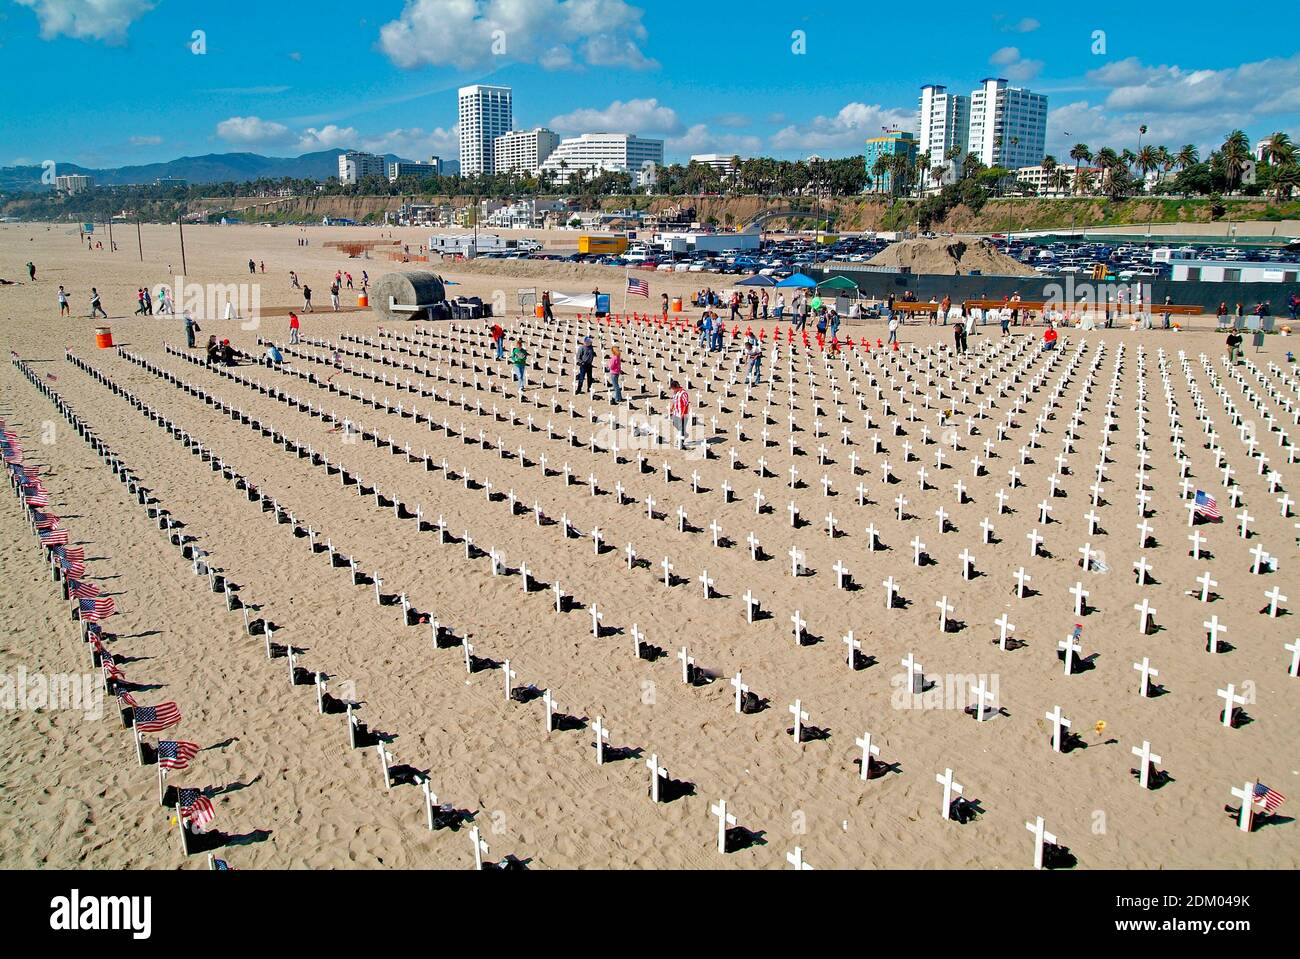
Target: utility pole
{"points": [[180, 226], [139, 241]]}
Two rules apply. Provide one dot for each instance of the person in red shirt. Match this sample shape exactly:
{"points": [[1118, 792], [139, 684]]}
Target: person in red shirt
{"points": [[499, 340], [1049, 337], [680, 411], [293, 327]]}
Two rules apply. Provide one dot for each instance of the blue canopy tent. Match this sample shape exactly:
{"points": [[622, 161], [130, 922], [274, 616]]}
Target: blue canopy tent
{"points": [[757, 280], [799, 280]]}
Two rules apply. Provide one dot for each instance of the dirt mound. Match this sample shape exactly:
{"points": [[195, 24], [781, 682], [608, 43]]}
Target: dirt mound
{"points": [[950, 256]]}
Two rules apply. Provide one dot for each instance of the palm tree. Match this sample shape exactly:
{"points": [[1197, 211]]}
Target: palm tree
{"points": [[922, 167], [1188, 156], [1049, 168], [1280, 150], [879, 169], [971, 165], [1080, 154], [1236, 154], [1147, 160], [937, 174], [1285, 179]]}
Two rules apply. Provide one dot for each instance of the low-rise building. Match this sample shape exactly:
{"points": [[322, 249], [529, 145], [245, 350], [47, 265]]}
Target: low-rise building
{"points": [[523, 151]]}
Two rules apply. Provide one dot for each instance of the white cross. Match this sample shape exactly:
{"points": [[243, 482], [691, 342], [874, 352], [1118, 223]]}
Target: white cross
{"points": [[716, 530], [741, 689], [890, 587], [1229, 697], [1144, 530], [800, 717], [687, 662], [987, 527], [1059, 722], [1002, 501], [840, 572], [914, 670], [1093, 519], [917, 549], [1147, 671], [1145, 758], [1274, 596], [1213, 627], [1247, 796], [551, 707], [1206, 583], [796, 560], [559, 596], [1259, 553], [468, 649], [942, 515], [871, 537], [596, 617], [982, 696], [799, 624], [869, 749], [1070, 647], [752, 540], [707, 583], [1244, 519], [1080, 594], [944, 609], [853, 645], [950, 786], [1021, 578], [1294, 650], [1034, 541], [1041, 836], [668, 571], [1004, 627], [509, 675], [602, 734], [725, 819], [900, 501], [1145, 611], [657, 772], [480, 848]]}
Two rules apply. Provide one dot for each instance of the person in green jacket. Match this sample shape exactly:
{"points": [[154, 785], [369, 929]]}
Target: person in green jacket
{"points": [[519, 360]]}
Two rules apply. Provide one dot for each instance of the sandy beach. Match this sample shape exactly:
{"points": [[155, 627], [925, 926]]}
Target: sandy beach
{"points": [[289, 792]]}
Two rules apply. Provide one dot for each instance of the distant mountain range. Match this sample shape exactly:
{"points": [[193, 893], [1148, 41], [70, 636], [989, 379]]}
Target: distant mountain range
{"points": [[212, 168]]}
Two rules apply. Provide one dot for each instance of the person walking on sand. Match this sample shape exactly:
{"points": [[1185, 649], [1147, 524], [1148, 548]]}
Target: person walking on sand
{"points": [[64, 308], [95, 305], [306, 299], [499, 340], [334, 296], [293, 278], [31, 271], [519, 360], [680, 411], [252, 267], [190, 329], [614, 366], [294, 326], [893, 330], [546, 305], [586, 357]]}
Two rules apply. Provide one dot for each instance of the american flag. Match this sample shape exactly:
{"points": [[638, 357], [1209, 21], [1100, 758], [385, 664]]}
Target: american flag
{"points": [[154, 719], [637, 286], [38, 498], [98, 609], [83, 590], [111, 669], [46, 521], [125, 699], [1271, 798], [53, 537], [1207, 505], [174, 754], [77, 553], [195, 807], [74, 568]]}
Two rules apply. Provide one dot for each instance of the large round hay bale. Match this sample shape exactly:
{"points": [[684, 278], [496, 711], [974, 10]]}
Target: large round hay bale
{"points": [[406, 296]]}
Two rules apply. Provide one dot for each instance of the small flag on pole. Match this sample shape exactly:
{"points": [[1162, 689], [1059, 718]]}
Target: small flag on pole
{"points": [[1207, 506], [176, 754], [1271, 798], [154, 719], [638, 287], [97, 609], [195, 807]]}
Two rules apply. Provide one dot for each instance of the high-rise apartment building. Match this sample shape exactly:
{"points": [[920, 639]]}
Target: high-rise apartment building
{"points": [[1008, 125], [523, 151], [355, 166], [943, 125], [486, 113]]}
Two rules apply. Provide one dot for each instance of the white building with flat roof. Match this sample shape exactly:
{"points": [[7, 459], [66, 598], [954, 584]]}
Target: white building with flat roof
{"points": [[724, 163], [355, 166], [1233, 271], [409, 168], [73, 183], [943, 121], [1008, 125], [596, 153], [523, 151], [485, 113]]}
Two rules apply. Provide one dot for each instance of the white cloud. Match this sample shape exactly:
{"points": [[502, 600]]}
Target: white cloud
{"points": [[88, 19], [847, 130], [631, 116], [700, 139], [145, 141], [556, 34], [1267, 87], [416, 144], [1027, 25], [328, 137], [1014, 66], [252, 130]]}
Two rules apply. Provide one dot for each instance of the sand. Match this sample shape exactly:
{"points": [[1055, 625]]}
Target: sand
{"points": [[293, 795], [947, 256]]}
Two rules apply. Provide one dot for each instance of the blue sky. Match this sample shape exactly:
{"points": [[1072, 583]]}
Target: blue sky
{"points": [[115, 82]]}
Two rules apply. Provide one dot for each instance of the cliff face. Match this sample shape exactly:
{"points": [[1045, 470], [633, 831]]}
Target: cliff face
{"points": [[850, 214]]}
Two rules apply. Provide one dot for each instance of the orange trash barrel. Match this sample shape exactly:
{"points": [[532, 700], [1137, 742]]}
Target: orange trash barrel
{"points": [[539, 311], [363, 301], [104, 337], [677, 304]]}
